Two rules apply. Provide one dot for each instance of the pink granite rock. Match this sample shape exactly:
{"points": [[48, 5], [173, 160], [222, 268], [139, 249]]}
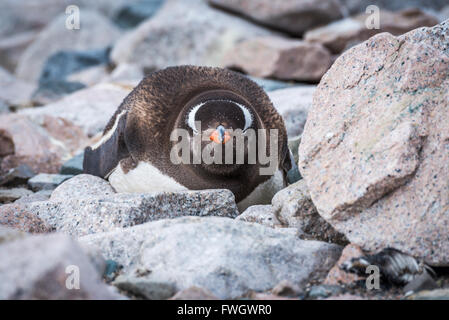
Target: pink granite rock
{"points": [[375, 148]]}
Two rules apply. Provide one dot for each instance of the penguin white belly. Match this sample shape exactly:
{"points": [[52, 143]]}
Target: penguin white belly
{"points": [[142, 179], [263, 192]]}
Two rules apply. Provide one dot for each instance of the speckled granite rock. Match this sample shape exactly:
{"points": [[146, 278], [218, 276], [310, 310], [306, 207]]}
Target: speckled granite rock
{"points": [[225, 256], [262, 214], [374, 151], [343, 34], [294, 208], [36, 267], [82, 186], [293, 104], [292, 16], [87, 204], [17, 217], [280, 58]]}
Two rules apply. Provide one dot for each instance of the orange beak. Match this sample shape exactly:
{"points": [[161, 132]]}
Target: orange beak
{"points": [[220, 135]]}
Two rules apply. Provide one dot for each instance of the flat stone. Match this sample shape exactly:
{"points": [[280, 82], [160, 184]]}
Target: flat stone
{"points": [[11, 195], [17, 176], [46, 181], [225, 256], [141, 287]]}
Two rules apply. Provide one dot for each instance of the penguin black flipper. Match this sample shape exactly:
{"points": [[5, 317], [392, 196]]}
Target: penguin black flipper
{"points": [[101, 159]]}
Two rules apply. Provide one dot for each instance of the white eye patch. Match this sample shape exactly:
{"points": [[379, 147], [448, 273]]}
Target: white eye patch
{"points": [[194, 110]]}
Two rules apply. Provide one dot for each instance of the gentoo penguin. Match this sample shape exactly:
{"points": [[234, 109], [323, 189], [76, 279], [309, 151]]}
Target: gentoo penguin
{"points": [[135, 151]]}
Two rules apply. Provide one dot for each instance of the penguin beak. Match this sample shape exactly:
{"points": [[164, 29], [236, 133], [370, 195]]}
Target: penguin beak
{"points": [[220, 135]]}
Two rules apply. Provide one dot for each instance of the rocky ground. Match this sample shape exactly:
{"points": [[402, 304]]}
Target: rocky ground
{"points": [[373, 154]]}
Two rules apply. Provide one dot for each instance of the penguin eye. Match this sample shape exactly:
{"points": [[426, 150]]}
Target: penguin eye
{"points": [[247, 115], [191, 117]]}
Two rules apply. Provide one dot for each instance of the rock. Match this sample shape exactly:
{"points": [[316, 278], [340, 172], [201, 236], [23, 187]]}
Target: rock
{"points": [[262, 214], [6, 143], [374, 148], [343, 34], [92, 214], [73, 166], [66, 62], [443, 15], [191, 32], [338, 276], [10, 195], [90, 108], [324, 291], [141, 287], [293, 104], [126, 72], [270, 85], [42, 143], [225, 256], [359, 6], [46, 181], [438, 294], [17, 176], [4, 108], [12, 47], [279, 58], [42, 195], [293, 145], [287, 289], [194, 293], [55, 37], [294, 208], [345, 296], [90, 76], [14, 92], [14, 216], [9, 234], [46, 267], [291, 16], [131, 14], [51, 91], [82, 186]]}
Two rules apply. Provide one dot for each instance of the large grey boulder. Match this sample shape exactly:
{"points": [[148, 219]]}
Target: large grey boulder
{"points": [[227, 257]]}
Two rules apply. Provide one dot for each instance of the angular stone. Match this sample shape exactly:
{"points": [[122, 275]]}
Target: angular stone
{"points": [[46, 181], [74, 165], [374, 148], [280, 58], [291, 16], [294, 208], [141, 287], [343, 34], [227, 257], [261, 214], [100, 213], [42, 267]]}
